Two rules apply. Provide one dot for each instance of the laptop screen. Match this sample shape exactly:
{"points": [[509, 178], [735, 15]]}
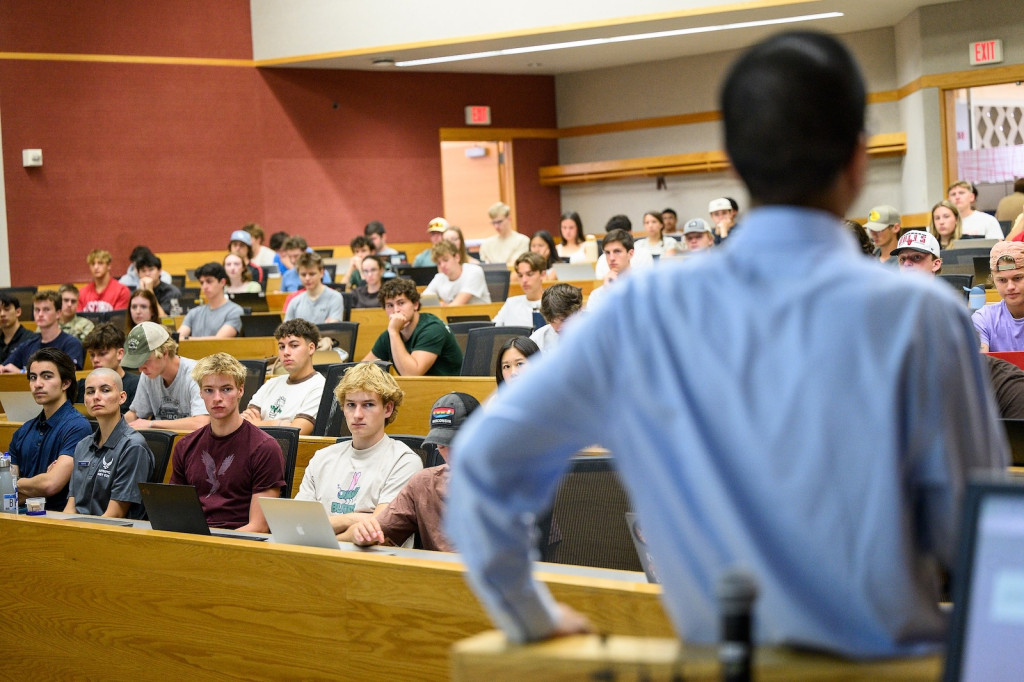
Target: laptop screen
{"points": [[988, 612]]}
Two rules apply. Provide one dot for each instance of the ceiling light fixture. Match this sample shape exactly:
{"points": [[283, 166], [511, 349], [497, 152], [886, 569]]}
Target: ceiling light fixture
{"points": [[617, 39]]}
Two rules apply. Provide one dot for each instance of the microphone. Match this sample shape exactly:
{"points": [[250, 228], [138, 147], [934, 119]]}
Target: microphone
{"points": [[736, 591]]}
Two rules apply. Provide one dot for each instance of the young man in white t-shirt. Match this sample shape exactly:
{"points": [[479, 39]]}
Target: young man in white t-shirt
{"points": [[357, 478], [291, 400], [518, 310], [456, 283], [973, 223]]}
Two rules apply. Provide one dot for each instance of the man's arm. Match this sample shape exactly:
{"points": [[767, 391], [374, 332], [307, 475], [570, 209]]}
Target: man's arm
{"points": [[130, 416], [69, 508], [183, 424], [10, 369], [254, 416], [340, 523], [461, 298], [184, 332], [50, 482], [226, 332], [414, 364], [257, 522], [116, 509]]}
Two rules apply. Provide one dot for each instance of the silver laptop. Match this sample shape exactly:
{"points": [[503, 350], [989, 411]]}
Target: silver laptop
{"points": [[19, 406], [429, 301], [298, 522], [574, 271]]}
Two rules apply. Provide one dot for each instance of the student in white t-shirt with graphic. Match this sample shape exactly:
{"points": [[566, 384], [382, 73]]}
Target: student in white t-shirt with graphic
{"points": [[456, 283], [973, 223]]}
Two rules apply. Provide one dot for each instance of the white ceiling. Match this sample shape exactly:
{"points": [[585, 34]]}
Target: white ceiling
{"points": [[859, 15]]}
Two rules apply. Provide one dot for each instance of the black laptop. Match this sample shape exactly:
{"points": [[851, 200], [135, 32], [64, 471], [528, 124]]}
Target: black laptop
{"points": [[986, 633], [176, 508]]}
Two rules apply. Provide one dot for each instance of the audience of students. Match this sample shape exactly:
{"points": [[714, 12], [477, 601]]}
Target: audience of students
{"points": [[45, 307]]}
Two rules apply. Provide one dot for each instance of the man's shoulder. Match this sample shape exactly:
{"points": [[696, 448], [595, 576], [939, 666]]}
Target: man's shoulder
{"points": [[331, 453]]}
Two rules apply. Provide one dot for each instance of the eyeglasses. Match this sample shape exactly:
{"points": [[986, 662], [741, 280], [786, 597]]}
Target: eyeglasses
{"points": [[499, 221]]}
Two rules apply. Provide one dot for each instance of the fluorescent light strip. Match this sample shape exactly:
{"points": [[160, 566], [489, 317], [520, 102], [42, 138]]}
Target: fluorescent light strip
{"points": [[618, 39]]}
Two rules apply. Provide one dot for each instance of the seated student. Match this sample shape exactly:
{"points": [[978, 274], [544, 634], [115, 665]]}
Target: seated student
{"points": [[229, 461], [1000, 326], [294, 247], [375, 232], [45, 305], [618, 253], [166, 397], [220, 317], [69, 321], [105, 347], [558, 303], [419, 344], [12, 331], [43, 447], [517, 311], [918, 250], [355, 478], [368, 293], [512, 357], [318, 303], [167, 295], [239, 277], [639, 260], [507, 243], [699, 236], [240, 244], [656, 243], [418, 508], [103, 293], [435, 233], [973, 223], [110, 463], [277, 242], [543, 244], [262, 254], [291, 400], [361, 248], [723, 212], [456, 283], [131, 276]]}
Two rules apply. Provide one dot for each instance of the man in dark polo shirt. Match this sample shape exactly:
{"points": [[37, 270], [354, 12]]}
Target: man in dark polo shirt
{"points": [[43, 447], [12, 332], [110, 463], [419, 344]]}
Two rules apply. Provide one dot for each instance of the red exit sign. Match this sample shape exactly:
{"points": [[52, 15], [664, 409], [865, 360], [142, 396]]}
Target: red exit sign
{"points": [[986, 52], [478, 116]]}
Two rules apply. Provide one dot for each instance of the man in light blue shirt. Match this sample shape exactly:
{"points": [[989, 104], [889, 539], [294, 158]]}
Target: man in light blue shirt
{"points": [[792, 408]]}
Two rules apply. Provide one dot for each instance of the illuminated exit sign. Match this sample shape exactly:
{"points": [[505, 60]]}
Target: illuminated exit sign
{"points": [[479, 116], [986, 52]]}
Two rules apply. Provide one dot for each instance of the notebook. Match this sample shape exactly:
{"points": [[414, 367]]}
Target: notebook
{"points": [[19, 406], [987, 627], [176, 508], [298, 522]]}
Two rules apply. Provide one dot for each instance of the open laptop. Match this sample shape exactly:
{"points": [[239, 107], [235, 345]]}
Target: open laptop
{"points": [[19, 406], [298, 522], [176, 508], [987, 627]]}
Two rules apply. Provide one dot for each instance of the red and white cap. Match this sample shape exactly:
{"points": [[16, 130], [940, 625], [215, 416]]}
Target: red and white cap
{"points": [[917, 240]]}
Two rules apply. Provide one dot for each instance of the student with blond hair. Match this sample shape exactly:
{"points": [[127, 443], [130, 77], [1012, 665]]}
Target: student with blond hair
{"points": [[103, 293]]}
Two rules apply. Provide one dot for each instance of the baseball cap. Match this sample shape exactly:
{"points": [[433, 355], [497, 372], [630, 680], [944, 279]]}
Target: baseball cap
{"points": [[917, 240], [437, 225], [696, 225], [141, 341], [720, 204], [241, 236], [447, 416], [1003, 253], [882, 217]]}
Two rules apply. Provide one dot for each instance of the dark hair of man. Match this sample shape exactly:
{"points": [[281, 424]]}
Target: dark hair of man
{"points": [[148, 260], [534, 260], [50, 295], [212, 269], [374, 227], [550, 241], [138, 252], [67, 287], [64, 364], [103, 336], [523, 344], [575, 217], [310, 261], [295, 242], [559, 301], [732, 202], [298, 328], [398, 286], [1018, 185], [804, 92], [9, 301], [277, 240], [360, 241], [621, 236], [670, 210], [618, 222], [861, 234]]}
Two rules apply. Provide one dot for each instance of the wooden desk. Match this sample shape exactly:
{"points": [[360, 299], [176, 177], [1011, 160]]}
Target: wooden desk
{"points": [[99, 602], [241, 347], [373, 322], [488, 656]]}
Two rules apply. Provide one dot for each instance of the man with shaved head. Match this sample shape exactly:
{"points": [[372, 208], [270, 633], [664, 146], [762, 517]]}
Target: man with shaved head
{"points": [[110, 463]]}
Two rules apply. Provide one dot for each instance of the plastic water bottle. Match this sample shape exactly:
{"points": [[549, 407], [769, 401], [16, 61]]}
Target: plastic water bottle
{"points": [[8, 486], [976, 298]]}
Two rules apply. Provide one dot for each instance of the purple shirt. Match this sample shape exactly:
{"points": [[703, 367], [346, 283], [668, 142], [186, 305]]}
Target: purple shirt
{"points": [[998, 328]]}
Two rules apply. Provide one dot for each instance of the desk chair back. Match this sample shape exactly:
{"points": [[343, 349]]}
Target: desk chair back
{"points": [[342, 334], [482, 346], [255, 376], [288, 438], [260, 324], [330, 420], [160, 443], [497, 283], [461, 330]]}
